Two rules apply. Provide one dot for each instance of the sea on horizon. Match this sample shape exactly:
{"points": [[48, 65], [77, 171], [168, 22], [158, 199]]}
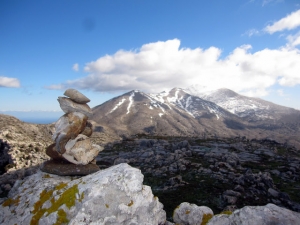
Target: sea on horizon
{"points": [[37, 117]]}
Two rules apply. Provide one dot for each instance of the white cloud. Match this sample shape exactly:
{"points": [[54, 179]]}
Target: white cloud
{"points": [[9, 82], [294, 40], [289, 22], [75, 67], [163, 65], [55, 87], [266, 2], [251, 32]]}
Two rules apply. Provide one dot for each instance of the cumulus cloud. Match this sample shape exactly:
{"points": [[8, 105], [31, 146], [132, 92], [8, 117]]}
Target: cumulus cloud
{"points": [[163, 65], [75, 67], [9, 82], [291, 21]]}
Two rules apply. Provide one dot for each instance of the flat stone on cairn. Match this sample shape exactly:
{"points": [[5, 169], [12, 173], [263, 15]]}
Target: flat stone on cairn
{"points": [[73, 153], [76, 96]]}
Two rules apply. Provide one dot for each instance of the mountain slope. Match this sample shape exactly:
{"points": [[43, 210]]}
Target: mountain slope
{"points": [[178, 113], [251, 109]]}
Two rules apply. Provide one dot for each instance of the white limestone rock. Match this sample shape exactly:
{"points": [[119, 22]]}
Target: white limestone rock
{"points": [[81, 150], [68, 106], [191, 214], [112, 196], [76, 96], [258, 215]]}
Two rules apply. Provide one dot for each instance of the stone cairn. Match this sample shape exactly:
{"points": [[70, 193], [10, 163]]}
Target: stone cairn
{"points": [[73, 153]]}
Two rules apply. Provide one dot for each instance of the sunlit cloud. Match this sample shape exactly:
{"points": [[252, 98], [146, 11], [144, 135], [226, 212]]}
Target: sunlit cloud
{"points": [[291, 21], [75, 67], [163, 65], [294, 40], [9, 82]]}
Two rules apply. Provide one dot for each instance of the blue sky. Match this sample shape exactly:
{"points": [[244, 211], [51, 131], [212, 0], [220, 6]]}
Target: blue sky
{"points": [[105, 48]]}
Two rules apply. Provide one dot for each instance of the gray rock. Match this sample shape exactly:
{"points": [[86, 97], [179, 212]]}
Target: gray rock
{"points": [[273, 192], [81, 150], [68, 106], [258, 215], [191, 214], [231, 200], [65, 168], [232, 193], [76, 96], [112, 196]]}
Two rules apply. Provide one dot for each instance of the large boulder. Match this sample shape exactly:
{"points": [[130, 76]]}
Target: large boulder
{"points": [[258, 215], [112, 196], [191, 214]]}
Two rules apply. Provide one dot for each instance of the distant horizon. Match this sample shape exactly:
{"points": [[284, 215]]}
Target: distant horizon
{"points": [[44, 116], [37, 117]]}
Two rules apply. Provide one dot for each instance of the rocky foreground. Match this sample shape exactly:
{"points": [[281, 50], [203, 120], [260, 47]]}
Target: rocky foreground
{"points": [[214, 175], [223, 174], [114, 196], [23, 148]]}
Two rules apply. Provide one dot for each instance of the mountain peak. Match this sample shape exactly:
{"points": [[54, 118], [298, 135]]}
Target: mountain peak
{"points": [[225, 91]]}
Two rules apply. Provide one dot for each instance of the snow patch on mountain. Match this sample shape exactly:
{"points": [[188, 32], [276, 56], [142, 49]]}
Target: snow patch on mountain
{"points": [[117, 105], [130, 102]]}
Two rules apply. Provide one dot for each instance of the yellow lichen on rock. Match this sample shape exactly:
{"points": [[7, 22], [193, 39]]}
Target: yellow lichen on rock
{"points": [[130, 203], [68, 198], [206, 218], [61, 217], [11, 201]]}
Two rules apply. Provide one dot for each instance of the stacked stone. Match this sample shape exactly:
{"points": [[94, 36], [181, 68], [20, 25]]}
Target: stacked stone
{"points": [[73, 153]]}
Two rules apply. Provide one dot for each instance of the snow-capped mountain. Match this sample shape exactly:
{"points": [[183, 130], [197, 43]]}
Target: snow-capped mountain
{"points": [[251, 109], [193, 105], [180, 113]]}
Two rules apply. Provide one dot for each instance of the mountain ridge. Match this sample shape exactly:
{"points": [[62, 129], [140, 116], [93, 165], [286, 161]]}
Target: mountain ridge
{"points": [[180, 113]]}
